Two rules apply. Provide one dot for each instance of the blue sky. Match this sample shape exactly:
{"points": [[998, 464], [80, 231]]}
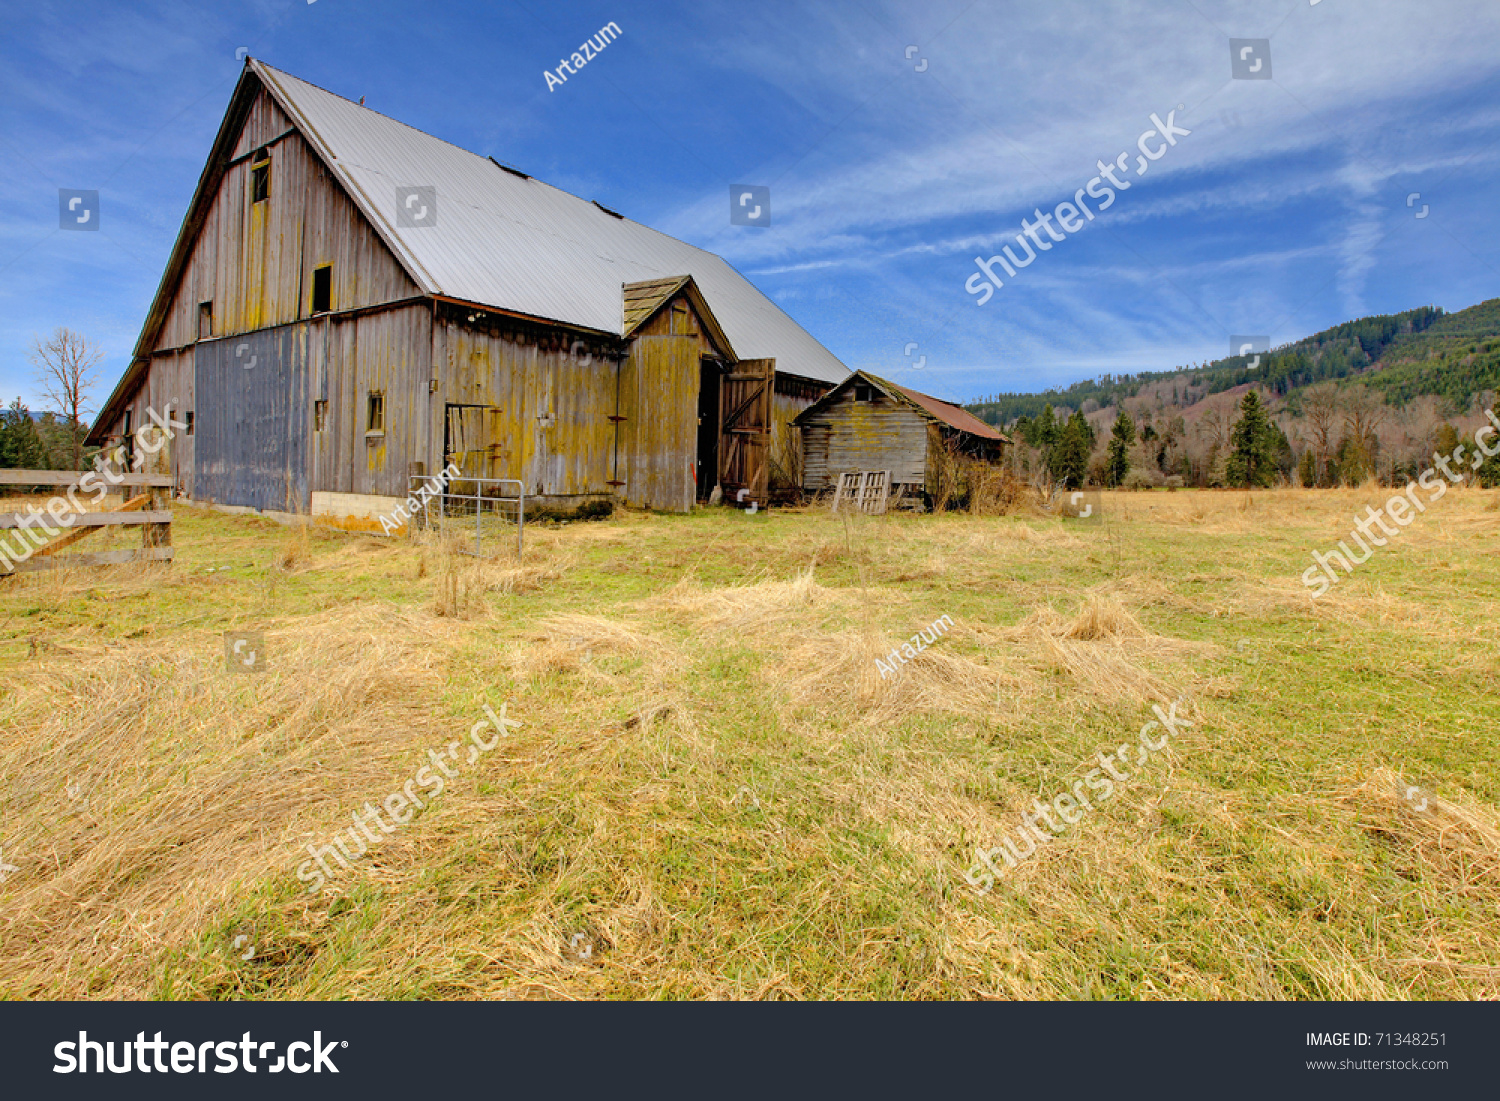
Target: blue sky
{"points": [[1283, 212]]}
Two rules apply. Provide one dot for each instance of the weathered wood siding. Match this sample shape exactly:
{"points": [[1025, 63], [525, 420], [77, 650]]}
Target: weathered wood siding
{"points": [[170, 381], [881, 434], [789, 398], [659, 383], [545, 399], [254, 261], [389, 352]]}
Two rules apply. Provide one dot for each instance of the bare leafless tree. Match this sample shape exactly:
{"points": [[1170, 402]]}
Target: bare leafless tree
{"points": [[65, 372], [1365, 411], [1320, 404], [1213, 427]]}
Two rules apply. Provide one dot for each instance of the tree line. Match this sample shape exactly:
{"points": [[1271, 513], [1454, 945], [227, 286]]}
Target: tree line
{"points": [[1330, 355], [1335, 441]]}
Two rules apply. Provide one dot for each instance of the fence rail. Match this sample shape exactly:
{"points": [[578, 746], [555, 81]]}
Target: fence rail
{"points": [[147, 511], [70, 478]]}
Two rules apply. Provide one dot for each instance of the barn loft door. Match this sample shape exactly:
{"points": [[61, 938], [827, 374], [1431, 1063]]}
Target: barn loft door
{"points": [[745, 445]]}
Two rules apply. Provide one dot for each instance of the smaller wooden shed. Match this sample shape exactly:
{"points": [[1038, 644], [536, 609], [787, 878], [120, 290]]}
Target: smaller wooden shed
{"points": [[867, 423]]}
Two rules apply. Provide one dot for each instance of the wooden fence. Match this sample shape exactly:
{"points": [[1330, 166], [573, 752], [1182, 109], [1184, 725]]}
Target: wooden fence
{"points": [[149, 511]]}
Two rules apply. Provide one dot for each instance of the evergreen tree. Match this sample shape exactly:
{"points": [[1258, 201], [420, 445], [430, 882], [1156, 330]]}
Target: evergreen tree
{"points": [[1445, 439], [1282, 456], [1121, 439], [1044, 430], [1074, 446], [1489, 472], [20, 446], [1252, 461], [1307, 469]]}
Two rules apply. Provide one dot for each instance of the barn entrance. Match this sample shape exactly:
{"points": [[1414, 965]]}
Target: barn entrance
{"points": [[467, 442], [709, 374], [745, 441], [477, 506]]}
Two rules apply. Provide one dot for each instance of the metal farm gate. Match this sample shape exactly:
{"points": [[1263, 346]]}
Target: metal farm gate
{"points": [[476, 512]]}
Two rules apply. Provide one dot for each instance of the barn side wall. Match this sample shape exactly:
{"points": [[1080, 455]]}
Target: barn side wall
{"points": [[525, 401], [792, 394], [387, 353], [660, 381]]}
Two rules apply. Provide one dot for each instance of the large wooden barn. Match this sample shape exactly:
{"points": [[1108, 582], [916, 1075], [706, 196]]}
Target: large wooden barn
{"points": [[867, 423], [350, 300]]}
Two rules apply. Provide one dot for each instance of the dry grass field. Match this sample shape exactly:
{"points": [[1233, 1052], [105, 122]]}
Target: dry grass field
{"points": [[714, 793]]}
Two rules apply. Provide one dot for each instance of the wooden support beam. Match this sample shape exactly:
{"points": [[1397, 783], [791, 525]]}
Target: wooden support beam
{"points": [[83, 532]]}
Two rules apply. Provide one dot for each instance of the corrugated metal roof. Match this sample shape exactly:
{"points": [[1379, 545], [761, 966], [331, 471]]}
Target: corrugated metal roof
{"points": [[515, 243]]}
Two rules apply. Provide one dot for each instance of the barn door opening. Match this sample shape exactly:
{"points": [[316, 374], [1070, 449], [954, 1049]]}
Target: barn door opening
{"points": [[708, 427], [745, 442], [469, 440]]}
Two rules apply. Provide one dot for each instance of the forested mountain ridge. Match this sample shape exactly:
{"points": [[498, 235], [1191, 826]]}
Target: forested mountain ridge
{"points": [[1376, 397], [1421, 352]]}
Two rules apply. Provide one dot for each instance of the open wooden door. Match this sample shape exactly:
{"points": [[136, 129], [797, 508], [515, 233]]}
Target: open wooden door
{"points": [[745, 442]]}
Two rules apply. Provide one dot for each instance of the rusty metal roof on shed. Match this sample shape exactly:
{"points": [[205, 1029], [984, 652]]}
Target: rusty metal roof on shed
{"points": [[512, 242], [953, 416]]}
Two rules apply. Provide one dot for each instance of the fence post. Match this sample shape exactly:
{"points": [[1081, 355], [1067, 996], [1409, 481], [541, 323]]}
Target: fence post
{"points": [[158, 497]]}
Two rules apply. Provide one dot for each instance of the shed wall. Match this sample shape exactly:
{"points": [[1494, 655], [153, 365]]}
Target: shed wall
{"points": [[881, 434]]}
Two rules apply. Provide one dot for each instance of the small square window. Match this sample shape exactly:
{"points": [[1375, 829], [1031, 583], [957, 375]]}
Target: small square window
{"points": [[189, 422], [320, 414], [205, 320], [863, 392], [375, 419], [322, 291]]}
